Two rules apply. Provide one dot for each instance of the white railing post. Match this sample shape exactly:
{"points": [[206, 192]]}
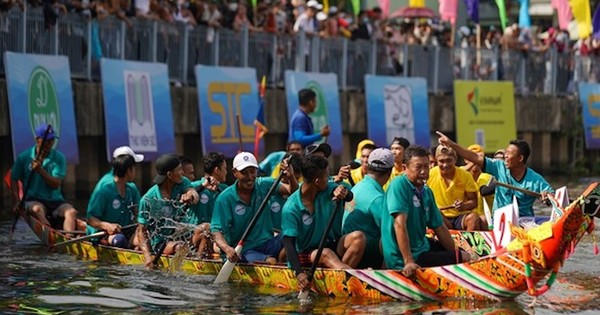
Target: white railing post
{"points": [[344, 72], [245, 46]]}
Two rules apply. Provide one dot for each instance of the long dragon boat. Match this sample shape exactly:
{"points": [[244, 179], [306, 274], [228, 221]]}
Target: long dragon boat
{"points": [[532, 256]]}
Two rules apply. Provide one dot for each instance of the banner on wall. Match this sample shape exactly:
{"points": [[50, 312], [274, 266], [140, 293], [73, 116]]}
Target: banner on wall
{"points": [[485, 113], [224, 93], [39, 92], [137, 107], [589, 96], [397, 107], [325, 85]]}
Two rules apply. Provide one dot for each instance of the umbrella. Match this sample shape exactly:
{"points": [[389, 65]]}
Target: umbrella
{"points": [[413, 12]]}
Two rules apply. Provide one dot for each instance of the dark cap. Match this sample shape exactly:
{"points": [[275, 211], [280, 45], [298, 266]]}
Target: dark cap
{"points": [[322, 147], [40, 131], [401, 141], [165, 163]]}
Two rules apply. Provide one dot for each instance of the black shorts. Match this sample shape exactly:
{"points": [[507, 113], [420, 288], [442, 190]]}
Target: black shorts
{"points": [[438, 256]]}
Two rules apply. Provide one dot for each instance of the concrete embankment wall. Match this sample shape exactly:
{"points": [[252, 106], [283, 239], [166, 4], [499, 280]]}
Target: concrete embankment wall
{"points": [[551, 125]]}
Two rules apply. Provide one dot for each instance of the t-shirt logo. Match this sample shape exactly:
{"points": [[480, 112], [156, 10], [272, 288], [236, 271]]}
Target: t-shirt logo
{"points": [[275, 207], [246, 158], [307, 219], [240, 209], [116, 204], [349, 206], [204, 199], [416, 201]]}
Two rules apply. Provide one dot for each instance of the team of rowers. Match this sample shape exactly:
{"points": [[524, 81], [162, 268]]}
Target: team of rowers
{"points": [[383, 207]]}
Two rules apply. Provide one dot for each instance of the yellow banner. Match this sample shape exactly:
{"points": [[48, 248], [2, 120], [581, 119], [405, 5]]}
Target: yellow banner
{"points": [[485, 113]]}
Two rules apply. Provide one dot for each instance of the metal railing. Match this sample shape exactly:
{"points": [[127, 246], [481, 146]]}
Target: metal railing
{"points": [[84, 41]]}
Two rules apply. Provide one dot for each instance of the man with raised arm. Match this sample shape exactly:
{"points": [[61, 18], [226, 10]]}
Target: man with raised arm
{"points": [[236, 206], [305, 217], [113, 204], [170, 187], [512, 170], [301, 125], [411, 210]]}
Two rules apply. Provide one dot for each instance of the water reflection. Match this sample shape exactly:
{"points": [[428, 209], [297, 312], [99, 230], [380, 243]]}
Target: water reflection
{"points": [[36, 281]]}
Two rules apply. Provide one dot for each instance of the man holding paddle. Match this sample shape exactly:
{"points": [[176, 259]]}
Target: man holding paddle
{"points": [[113, 204], [512, 171], [236, 207], [306, 215], [42, 169]]}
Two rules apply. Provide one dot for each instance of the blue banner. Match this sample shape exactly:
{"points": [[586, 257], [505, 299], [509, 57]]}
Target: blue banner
{"points": [[325, 85], [224, 94], [137, 107], [397, 107], [589, 95], [39, 92]]}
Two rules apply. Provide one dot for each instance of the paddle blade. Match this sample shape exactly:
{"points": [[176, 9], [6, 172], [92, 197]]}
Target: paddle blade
{"points": [[227, 268], [303, 296]]}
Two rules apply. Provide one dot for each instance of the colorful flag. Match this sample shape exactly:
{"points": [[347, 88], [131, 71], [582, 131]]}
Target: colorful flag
{"points": [[356, 6], [564, 13], [259, 123], [473, 10], [385, 7], [596, 22], [448, 9], [524, 18], [583, 16], [416, 3], [502, 13]]}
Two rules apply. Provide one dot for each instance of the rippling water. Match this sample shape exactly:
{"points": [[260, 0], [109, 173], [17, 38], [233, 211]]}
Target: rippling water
{"points": [[34, 280]]}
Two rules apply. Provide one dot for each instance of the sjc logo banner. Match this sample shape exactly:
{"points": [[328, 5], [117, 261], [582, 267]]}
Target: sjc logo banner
{"points": [[137, 107], [224, 94], [325, 85], [39, 92], [485, 113], [397, 107], [589, 95]]}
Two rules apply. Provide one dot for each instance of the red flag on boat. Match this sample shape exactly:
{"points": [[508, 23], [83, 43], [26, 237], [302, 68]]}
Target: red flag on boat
{"points": [[259, 123]]}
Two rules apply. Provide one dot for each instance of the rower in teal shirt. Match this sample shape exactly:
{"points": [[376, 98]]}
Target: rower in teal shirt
{"points": [[236, 206], [113, 204], [202, 212], [160, 206], [412, 209], [364, 213]]}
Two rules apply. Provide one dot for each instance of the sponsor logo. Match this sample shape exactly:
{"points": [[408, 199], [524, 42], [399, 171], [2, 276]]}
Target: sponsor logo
{"points": [[307, 219], [204, 199], [116, 204], [275, 207], [416, 201], [240, 209]]}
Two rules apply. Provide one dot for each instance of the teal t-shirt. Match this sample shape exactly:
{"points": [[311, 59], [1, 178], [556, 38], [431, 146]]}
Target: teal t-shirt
{"points": [[106, 178], [422, 212], [531, 181], [270, 162], [308, 228], [365, 211], [231, 215], [154, 211], [55, 165], [106, 204], [203, 210]]}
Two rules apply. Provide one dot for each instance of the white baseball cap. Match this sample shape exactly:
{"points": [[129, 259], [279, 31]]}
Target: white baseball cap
{"points": [[244, 160], [125, 150], [315, 5]]}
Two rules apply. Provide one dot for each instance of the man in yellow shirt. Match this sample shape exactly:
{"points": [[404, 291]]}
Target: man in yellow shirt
{"points": [[481, 179], [455, 192], [397, 147], [358, 174]]}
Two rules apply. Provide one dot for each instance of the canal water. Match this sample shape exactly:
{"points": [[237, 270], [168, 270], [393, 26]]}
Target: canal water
{"points": [[34, 280]]}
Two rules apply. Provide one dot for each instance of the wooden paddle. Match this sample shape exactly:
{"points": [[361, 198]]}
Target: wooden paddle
{"points": [[303, 295], [239, 131], [525, 191], [228, 266], [28, 183], [87, 237]]}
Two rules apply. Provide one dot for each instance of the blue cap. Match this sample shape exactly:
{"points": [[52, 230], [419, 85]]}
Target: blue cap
{"points": [[40, 131]]}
